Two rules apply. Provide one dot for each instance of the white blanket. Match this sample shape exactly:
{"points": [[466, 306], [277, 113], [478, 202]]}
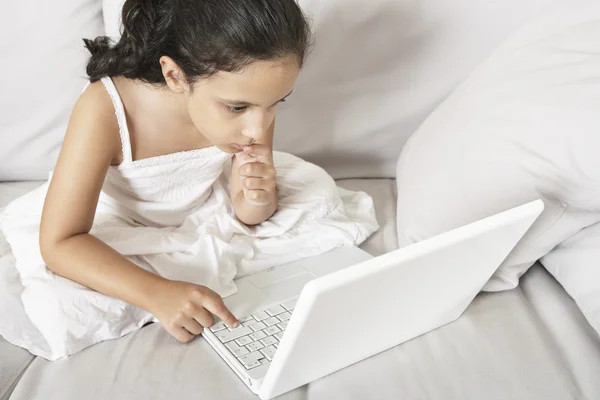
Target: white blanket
{"points": [[56, 317]]}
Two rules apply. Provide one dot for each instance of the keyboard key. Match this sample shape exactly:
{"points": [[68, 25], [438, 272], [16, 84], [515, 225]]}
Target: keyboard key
{"points": [[217, 327], [227, 336], [268, 341], [251, 357], [275, 310], [271, 321], [244, 340], [259, 316], [257, 326], [255, 346], [240, 326], [241, 351], [290, 305], [246, 319], [232, 346], [258, 335], [278, 335], [237, 350], [264, 361], [271, 330], [269, 352], [282, 325], [285, 316], [253, 365]]}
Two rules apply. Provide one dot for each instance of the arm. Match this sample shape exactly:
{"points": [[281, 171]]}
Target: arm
{"points": [[91, 144], [259, 180]]}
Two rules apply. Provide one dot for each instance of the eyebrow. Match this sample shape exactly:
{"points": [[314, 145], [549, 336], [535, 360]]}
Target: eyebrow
{"points": [[245, 103]]}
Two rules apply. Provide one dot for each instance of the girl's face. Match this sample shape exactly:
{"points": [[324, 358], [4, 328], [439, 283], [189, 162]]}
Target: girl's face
{"points": [[235, 109]]}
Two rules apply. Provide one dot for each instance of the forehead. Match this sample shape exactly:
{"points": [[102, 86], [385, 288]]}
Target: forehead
{"points": [[260, 80]]}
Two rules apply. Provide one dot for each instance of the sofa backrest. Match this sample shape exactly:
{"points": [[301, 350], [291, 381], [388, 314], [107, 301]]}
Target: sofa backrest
{"points": [[41, 77], [377, 70]]}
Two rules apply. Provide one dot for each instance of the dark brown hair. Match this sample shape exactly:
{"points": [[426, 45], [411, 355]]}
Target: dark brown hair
{"points": [[201, 36]]}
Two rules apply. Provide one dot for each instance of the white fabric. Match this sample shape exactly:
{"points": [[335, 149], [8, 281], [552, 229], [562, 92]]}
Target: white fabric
{"points": [[525, 125], [575, 263], [378, 68], [533, 336], [173, 216], [41, 75]]}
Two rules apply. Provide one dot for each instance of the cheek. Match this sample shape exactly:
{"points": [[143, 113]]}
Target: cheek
{"points": [[215, 125]]}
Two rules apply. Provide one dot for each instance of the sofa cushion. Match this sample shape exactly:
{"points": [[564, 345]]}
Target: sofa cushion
{"points": [[383, 192], [14, 363], [517, 337], [377, 70], [499, 349], [524, 126], [41, 76], [575, 263]]}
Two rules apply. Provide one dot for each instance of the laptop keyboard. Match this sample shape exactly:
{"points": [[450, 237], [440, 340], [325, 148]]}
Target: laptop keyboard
{"points": [[255, 341]]}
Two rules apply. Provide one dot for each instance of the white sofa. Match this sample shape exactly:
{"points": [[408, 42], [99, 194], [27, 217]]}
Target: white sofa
{"points": [[378, 70]]}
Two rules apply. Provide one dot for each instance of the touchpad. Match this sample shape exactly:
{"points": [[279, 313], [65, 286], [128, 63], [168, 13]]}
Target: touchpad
{"points": [[288, 288], [276, 274]]}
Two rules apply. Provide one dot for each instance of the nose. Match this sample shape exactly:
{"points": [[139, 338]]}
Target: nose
{"points": [[255, 126], [254, 133]]}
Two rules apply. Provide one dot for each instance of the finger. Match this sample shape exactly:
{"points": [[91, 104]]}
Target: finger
{"points": [[181, 334], [257, 196], [204, 317], [257, 170], [195, 310], [216, 306], [253, 183], [258, 150], [193, 326]]}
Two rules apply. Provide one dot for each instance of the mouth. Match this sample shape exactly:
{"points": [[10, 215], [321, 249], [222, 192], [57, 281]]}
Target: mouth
{"points": [[239, 146]]}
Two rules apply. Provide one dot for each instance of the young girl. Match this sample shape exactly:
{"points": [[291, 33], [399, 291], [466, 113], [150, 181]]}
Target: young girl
{"points": [[190, 85]]}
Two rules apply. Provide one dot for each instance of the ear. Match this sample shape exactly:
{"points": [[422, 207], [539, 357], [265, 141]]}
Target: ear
{"points": [[174, 76]]}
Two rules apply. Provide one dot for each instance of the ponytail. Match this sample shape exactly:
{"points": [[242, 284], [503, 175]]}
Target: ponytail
{"points": [[146, 26]]}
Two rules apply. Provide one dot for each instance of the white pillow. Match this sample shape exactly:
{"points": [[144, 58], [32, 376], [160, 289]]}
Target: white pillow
{"points": [[377, 70], [525, 125], [41, 76], [575, 263], [111, 12]]}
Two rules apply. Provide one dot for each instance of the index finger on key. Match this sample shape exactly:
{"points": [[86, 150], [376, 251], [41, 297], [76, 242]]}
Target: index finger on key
{"points": [[216, 306]]}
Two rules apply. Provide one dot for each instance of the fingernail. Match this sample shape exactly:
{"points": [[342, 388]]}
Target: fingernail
{"points": [[235, 325]]}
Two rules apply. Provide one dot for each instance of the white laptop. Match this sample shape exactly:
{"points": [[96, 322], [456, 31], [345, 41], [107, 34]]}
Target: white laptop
{"points": [[296, 318]]}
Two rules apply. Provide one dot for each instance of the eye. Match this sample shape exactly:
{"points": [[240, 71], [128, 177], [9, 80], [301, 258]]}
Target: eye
{"points": [[236, 109]]}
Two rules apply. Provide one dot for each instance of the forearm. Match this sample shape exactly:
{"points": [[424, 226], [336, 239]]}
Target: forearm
{"points": [[92, 263], [251, 214]]}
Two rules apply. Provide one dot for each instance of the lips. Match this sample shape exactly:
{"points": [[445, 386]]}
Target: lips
{"points": [[239, 146]]}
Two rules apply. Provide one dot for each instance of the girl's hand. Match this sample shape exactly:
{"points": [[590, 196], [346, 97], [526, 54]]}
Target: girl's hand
{"points": [[184, 309], [258, 174]]}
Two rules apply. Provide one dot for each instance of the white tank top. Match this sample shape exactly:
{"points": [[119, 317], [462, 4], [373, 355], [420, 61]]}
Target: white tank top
{"points": [[158, 191]]}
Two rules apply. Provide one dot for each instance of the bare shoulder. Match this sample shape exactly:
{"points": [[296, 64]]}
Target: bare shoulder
{"points": [[90, 145], [93, 120]]}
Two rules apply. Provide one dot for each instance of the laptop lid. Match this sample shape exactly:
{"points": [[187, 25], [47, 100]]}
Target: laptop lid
{"points": [[405, 293]]}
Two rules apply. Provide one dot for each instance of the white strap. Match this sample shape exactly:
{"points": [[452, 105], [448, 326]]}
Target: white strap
{"points": [[121, 120]]}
